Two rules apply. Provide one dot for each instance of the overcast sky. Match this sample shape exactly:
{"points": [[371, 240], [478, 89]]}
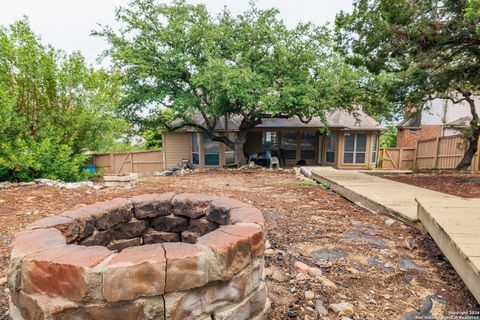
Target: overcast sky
{"points": [[66, 24]]}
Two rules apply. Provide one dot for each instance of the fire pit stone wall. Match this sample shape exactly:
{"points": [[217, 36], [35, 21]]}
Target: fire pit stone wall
{"points": [[156, 256]]}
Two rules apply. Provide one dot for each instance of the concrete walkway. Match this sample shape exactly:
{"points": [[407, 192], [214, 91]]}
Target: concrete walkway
{"points": [[453, 222]]}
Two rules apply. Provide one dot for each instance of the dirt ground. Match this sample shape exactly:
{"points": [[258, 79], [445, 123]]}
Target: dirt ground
{"points": [[466, 185], [384, 268]]}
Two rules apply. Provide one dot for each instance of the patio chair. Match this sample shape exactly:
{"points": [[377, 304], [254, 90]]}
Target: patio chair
{"points": [[274, 162]]}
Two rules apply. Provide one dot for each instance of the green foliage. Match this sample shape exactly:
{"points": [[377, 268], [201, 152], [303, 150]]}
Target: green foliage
{"points": [[53, 108], [178, 61], [298, 182], [429, 48], [388, 139], [426, 49], [325, 185], [472, 12], [153, 139]]}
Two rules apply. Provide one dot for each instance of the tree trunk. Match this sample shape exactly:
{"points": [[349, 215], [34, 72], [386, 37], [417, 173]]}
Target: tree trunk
{"points": [[244, 128], [473, 139], [471, 150], [239, 143]]}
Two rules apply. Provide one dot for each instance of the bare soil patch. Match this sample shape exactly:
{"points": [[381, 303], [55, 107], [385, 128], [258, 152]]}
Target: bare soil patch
{"points": [[466, 185], [385, 270]]}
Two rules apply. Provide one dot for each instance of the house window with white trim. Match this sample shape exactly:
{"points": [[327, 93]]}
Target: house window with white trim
{"points": [[374, 148], [355, 147], [211, 151], [331, 146], [195, 149], [230, 153]]}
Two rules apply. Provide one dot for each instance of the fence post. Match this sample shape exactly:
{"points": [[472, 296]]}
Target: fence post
{"points": [[131, 162], [415, 156], [437, 144], [400, 154], [383, 159], [478, 155], [112, 164]]}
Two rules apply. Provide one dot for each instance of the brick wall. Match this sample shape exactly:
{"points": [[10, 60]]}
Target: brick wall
{"points": [[407, 138]]}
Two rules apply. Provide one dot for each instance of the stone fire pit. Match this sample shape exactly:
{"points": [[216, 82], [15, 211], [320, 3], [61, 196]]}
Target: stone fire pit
{"points": [[159, 256]]}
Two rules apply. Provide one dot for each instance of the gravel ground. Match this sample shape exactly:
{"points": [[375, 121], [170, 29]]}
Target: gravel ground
{"points": [[381, 268]]}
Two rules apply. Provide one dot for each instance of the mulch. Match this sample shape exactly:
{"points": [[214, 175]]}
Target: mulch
{"points": [[304, 223], [466, 185]]}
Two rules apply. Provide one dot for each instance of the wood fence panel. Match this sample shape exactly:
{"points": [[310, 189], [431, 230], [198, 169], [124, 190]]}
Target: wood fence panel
{"points": [[426, 153], [442, 153], [129, 162], [397, 158], [408, 159]]}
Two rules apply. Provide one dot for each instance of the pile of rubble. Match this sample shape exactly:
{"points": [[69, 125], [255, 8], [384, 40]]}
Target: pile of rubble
{"points": [[54, 183]]}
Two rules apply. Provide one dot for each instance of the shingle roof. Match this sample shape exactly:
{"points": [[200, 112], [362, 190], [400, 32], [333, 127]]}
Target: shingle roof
{"points": [[336, 119], [460, 122], [412, 122]]}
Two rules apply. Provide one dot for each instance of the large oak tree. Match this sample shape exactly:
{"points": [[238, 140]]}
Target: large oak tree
{"points": [[178, 60], [430, 48]]}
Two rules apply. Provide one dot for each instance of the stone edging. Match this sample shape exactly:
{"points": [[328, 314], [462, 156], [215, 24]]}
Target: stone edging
{"points": [[90, 262]]}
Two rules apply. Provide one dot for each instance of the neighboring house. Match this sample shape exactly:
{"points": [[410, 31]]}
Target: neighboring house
{"points": [[441, 118], [351, 143]]}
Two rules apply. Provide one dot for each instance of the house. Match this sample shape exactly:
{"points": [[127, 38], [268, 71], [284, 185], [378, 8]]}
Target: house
{"points": [[441, 118], [352, 142]]}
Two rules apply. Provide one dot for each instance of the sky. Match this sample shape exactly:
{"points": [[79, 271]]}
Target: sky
{"points": [[66, 24]]}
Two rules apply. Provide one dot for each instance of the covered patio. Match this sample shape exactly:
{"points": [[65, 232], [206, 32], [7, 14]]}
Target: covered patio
{"points": [[350, 142]]}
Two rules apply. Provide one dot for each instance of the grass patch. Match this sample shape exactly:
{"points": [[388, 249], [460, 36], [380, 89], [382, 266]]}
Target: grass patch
{"points": [[308, 183]]}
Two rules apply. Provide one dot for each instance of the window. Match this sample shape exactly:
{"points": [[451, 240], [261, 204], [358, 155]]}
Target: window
{"points": [[289, 145], [374, 148], [270, 141], [195, 149], [355, 148], [331, 146], [308, 141], [230, 153], [212, 152]]}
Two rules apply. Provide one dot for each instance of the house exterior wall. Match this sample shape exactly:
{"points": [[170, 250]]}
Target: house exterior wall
{"points": [[369, 162], [434, 117], [407, 138], [176, 147], [441, 112]]}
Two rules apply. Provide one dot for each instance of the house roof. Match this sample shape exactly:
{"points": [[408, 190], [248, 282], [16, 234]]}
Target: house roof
{"points": [[413, 122], [335, 119], [460, 122]]}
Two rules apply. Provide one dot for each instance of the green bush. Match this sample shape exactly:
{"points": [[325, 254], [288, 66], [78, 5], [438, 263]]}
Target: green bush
{"points": [[53, 109], [46, 159]]}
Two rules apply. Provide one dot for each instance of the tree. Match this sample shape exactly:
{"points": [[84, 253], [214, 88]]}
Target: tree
{"points": [[53, 108], [388, 139], [178, 61], [430, 48]]}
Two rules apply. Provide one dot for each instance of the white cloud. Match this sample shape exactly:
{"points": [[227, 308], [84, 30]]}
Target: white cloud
{"points": [[66, 24]]}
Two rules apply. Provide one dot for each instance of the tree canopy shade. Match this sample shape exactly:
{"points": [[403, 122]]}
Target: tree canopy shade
{"points": [[53, 108], [178, 61], [429, 48]]}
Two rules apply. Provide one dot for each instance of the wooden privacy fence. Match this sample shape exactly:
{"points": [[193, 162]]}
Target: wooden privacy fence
{"points": [[442, 153], [435, 153], [129, 162], [397, 158]]}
